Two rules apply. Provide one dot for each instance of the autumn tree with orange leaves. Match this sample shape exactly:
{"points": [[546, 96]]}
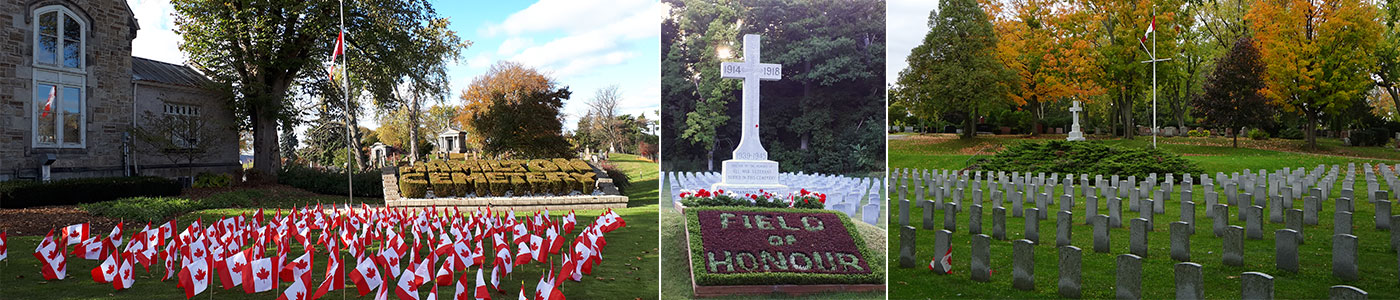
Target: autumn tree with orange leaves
{"points": [[1048, 45], [513, 112], [1317, 54]]}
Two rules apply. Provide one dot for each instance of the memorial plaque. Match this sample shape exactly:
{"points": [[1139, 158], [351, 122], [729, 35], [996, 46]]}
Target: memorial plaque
{"points": [[729, 246]]}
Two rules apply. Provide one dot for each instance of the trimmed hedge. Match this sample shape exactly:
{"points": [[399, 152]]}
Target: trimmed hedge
{"points": [[368, 184], [1067, 157], [704, 277], [160, 209], [458, 178], [22, 194]]}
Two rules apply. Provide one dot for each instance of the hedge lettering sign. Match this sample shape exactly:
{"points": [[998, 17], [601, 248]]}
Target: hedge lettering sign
{"points": [[763, 242], [460, 178]]}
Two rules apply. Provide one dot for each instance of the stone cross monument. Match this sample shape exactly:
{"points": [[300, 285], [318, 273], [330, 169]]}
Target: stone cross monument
{"points": [[1074, 133], [750, 170]]}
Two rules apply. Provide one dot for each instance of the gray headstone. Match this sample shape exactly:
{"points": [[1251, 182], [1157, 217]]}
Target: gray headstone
{"points": [[1101, 238], [1129, 278], [1256, 286], [941, 242], [1137, 237], [1042, 206], [1016, 206], [1023, 265], [1345, 292], [1062, 228], [1242, 215], [1380, 195], [907, 246], [1066, 202], [1383, 215], [974, 221], [950, 216], [1091, 208], [1181, 241], [1286, 250], [1188, 215], [1115, 212], [1234, 246], [1190, 285], [981, 258], [929, 208], [903, 212], [1341, 222], [1395, 233], [1069, 272], [1222, 219], [1294, 220], [1310, 208], [1254, 224], [1160, 205], [1344, 257], [1276, 210], [1342, 204], [999, 223], [1032, 225]]}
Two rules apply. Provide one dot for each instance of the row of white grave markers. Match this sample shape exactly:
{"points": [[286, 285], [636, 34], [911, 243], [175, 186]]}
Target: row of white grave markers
{"points": [[1252, 190], [234, 248], [855, 196]]}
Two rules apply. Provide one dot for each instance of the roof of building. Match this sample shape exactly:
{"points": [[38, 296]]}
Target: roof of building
{"points": [[150, 70]]}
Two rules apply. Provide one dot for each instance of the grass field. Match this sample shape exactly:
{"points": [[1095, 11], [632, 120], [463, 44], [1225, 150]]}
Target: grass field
{"points": [[628, 270], [675, 276], [1376, 261]]}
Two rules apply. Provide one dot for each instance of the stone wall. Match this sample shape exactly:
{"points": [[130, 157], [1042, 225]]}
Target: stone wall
{"points": [[219, 120]]}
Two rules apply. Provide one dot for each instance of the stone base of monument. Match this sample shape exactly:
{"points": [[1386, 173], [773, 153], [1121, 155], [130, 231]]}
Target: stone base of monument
{"points": [[749, 177], [771, 235], [1075, 136]]}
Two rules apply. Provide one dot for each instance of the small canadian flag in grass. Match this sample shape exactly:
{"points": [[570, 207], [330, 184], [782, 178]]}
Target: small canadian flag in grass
{"points": [[945, 261]]}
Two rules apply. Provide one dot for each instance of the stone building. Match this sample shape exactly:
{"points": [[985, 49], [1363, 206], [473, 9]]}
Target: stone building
{"points": [[71, 91]]}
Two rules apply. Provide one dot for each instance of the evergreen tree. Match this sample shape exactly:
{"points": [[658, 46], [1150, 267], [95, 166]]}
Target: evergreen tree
{"points": [[1231, 99], [956, 70]]}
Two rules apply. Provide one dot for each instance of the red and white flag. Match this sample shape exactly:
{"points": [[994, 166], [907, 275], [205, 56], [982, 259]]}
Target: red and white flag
{"points": [[410, 281], [195, 276], [297, 267], [76, 233], [106, 271], [945, 262], [126, 272], [4, 247], [366, 277], [569, 221], [231, 270], [258, 276], [301, 286], [50, 254], [461, 292], [335, 274], [48, 104], [1151, 27], [481, 292]]}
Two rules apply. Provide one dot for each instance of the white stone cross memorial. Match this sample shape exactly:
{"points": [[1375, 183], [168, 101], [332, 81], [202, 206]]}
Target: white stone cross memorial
{"points": [[1074, 133], [750, 170]]}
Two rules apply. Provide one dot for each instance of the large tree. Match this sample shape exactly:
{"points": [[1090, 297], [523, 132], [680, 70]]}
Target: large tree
{"points": [[1318, 55], [1387, 72], [604, 123], [956, 69], [1231, 99], [1047, 44], [513, 111], [257, 51]]}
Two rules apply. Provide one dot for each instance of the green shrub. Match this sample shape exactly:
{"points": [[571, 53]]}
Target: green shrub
{"points": [[1086, 158], [21, 194], [412, 185], [1291, 133], [442, 184], [210, 180], [619, 178], [1257, 134], [160, 209], [1198, 133], [770, 201], [367, 184], [462, 183], [1369, 137], [518, 185]]}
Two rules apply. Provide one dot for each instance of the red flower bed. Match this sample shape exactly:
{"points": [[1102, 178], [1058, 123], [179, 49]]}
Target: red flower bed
{"points": [[767, 242]]}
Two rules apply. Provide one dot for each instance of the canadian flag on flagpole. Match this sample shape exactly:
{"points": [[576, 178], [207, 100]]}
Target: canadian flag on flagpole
{"points": [[339, 50], [1151, 26], [125, 272], [4, 248]]}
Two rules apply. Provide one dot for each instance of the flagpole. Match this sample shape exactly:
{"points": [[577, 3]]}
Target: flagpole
{"points": [[349, 133], [1154, 77]]}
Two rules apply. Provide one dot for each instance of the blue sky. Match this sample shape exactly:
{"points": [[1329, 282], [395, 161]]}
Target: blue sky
{"points": [[585, 44]]}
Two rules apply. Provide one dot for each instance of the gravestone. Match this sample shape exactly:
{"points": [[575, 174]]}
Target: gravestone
{"points": [[1091, 208], [1062, 228], [1254, 224], [1069, 272], [1341, 222], [1137, 237], [1256, 285], [1074, 133], [1147, 213], [1344, 257], [1294, 220], [929, 208], [1115, 212], [1190, 285], [1286, 250], [981, 258], [1129, 278], [1180, 241], [1016, 206], [1234, 246], [1101, 238], [1345, 292], [907, 247], [1042, 210], [1310, 208], [1244, 205], [750, 170], [1023, 267], [903, 212], [974, 222], [1395, 233], [1032, 225], [950, 216], [999, 223], [1383, 215], [941, 241], [1222, 219], [1188, 215]]}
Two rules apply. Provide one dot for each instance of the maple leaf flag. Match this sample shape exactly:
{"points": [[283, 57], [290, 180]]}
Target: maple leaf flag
{"points": [[4, 247], [125, 272], [1151, 26], [231, 273], [481, 291], [299, 288], [335, 274], [945, 261], [48, 104], [76, 233], [195, 276], [366, 277], [55, 265], [569, 221], [409, 282], [104, 272], [522, 291], [300, 265], [461, 293], [258, 277]]}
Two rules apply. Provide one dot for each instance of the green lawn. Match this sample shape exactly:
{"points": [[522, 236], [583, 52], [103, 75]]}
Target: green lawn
{"points": [[628, 270], [676, 282], [1377, 262]]}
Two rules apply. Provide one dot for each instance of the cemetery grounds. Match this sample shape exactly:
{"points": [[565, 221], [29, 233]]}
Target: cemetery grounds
{"points": [[628, 270], [1376, 262]]}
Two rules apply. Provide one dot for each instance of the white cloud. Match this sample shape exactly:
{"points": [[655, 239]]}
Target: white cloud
{"points": [[514, 45], [157, 39], [905, 26], [571, 15], [597, 46]]}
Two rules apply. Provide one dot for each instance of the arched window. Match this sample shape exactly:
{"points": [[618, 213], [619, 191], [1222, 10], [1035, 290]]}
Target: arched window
{"points": [[60, 78]]}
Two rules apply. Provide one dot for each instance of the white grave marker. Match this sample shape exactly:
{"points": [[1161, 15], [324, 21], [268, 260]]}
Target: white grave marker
{"points": [[1074, 133], [750, 170]]}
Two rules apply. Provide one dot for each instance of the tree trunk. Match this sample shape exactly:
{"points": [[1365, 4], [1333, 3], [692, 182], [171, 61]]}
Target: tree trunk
{"points": [[1125, 109], [353, 124], [710, 160], [1235, 139], [266, 158], [969, 126], [1311, 132], [413, 129]]}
